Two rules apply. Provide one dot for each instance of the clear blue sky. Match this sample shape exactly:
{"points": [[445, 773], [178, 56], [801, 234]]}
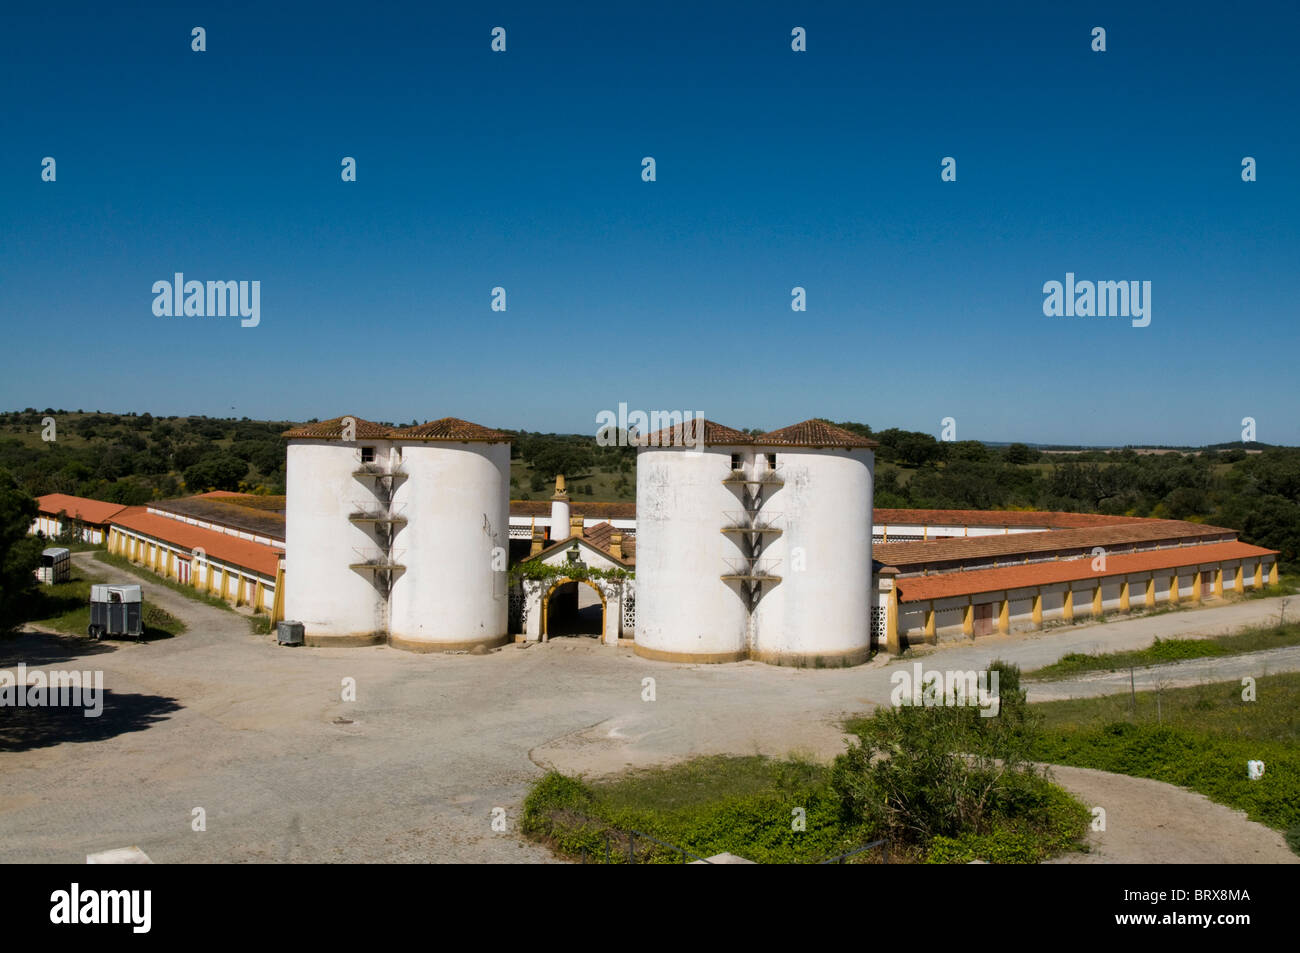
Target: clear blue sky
{"points": [[775, 169]]}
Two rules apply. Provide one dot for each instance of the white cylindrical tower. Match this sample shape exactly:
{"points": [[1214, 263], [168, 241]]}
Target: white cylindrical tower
{"points": [[685, 610], [560, 511], [454, 543], [330, 474], [820, 612]]}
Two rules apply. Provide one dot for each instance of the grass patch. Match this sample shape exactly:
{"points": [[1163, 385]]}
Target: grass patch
{"points": [[1287, 585], [1198, 737], [742, 805], [1171, 650], [77, 546], [65, 607], [937, 784]]}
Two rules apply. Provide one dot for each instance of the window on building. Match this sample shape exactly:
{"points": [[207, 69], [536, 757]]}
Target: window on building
{"points": [[735, 461], [771, 461], [367, 454]]}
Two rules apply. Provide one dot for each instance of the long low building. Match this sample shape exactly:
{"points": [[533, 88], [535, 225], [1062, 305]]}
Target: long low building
{"points": [[1007, 582], [229, 545], [243, 572], [88, 519]]}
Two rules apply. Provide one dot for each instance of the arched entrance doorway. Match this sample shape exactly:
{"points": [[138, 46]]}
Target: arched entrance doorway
{"points": [[573, 607]]}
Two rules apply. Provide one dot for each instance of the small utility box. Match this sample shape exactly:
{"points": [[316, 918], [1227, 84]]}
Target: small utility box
{"points": [[289, 633], [116, 611]]}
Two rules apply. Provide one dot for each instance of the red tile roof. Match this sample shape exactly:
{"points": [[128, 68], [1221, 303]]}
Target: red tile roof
{"points": [[972, 548], [333, 429], [945, 585], [688, 434], [601, 535], [813, 433], [78, 507], [447, 428], [1054, 520], [598, 537], [450, 428], [222, 547], [605, 511]]}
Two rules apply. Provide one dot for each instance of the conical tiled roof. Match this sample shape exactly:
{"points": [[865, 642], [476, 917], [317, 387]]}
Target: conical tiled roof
{"points": [[450, 428], [333, 429], [688, 435], [813, 433]]}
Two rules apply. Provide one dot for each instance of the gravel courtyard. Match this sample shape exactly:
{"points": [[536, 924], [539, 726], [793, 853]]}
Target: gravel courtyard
{"points": [[259, 737]]}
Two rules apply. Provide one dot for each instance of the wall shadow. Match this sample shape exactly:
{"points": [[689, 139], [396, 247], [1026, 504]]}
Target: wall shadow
{"points": [[24, 729]]}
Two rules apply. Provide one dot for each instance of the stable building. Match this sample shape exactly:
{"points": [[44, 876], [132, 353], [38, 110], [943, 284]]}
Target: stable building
{"points": [[88, 519]]}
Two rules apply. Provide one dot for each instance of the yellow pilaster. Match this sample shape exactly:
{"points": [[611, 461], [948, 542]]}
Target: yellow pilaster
{"points": [[1067, 607], [1004, 616], [1259, 573], [929, 623], [1173, 589], [239, 589], [1151, 592], [968, 619], [1038, 609], [1196, 585], [1236, 582], [1123, 596], [1218, 582], [259, 593], [1096, 601], [891, 622], [277, 604], [1272, 574]]}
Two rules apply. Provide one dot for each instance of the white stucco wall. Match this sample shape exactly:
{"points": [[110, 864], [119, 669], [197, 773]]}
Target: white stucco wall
{"points": [[329, 598], [456, 502], [821, 606], [683, 606]]}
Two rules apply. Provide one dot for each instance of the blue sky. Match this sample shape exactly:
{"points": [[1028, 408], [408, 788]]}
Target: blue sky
{"points": [[775, 169]]}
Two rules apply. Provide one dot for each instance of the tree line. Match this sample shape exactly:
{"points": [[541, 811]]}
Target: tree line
{"points": [[131, 459]]}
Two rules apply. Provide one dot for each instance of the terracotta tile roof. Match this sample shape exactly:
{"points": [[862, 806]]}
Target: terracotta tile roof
{"points": [[945, 585], [333, 429], [688, 433], [599, 541], [78, 507], [451, 428], [447, 428], [911, 556], [1055, 520], [607, 511], [601, 536], [813, 433], [222, 547], [252, 514]]}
